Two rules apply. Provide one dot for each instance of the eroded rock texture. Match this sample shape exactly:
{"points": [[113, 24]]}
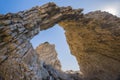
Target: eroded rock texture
{"points": [[50, 73], [95, 41], [18, 59], [50, 65], [93, 38], [48, 54]]}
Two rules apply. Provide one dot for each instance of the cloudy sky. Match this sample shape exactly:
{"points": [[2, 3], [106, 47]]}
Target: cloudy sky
{"points": [[56, 35]]}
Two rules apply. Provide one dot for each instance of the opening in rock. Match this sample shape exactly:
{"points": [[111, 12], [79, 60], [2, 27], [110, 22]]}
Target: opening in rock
{"points": [[55, 35]]}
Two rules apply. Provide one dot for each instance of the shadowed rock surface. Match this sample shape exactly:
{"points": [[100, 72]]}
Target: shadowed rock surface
{"points": [[94, 39]]}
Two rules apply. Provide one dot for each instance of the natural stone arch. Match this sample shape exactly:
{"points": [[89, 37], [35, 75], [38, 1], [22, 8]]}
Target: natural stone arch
{"points": [[56, 35], [17, 55]]}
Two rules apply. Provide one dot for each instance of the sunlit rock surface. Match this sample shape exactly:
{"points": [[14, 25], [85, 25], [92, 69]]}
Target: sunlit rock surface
{"points": [[94, 39], [50, 64], [51, 67], [48, 55]]}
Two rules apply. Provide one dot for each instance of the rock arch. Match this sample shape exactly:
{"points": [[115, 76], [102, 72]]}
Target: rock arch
{"points": [[95, 46]]}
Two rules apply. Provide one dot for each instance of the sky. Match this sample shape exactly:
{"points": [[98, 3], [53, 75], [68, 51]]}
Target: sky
{"points": [[55, 35]]}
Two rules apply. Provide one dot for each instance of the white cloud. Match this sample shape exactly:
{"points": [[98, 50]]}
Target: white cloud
{"points": [[112, 8]]}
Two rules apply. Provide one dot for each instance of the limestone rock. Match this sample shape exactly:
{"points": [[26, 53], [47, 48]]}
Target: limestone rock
{"points": [[95, 41], [51, 67], [60, 75], [18, 59], [48, 54]]}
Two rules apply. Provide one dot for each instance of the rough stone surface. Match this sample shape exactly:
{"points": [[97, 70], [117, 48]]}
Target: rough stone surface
{"points": [[55, 74], [94, 39], [18, 59], [50, 64], [48, 54]]}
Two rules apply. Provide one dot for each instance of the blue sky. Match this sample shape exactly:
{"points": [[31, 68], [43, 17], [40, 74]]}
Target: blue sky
{"points": [[88, 5], [56, 35]]}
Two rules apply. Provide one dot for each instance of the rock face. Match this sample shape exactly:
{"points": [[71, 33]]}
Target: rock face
{"points": [[50, 65], [93, 38], [50, 73], [95, 41], [18, 59], [48, 54]]}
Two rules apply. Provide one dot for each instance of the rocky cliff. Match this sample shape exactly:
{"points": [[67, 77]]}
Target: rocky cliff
{"points": [[48, 54], [50, 64], [18, 59], [94, 39]]}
